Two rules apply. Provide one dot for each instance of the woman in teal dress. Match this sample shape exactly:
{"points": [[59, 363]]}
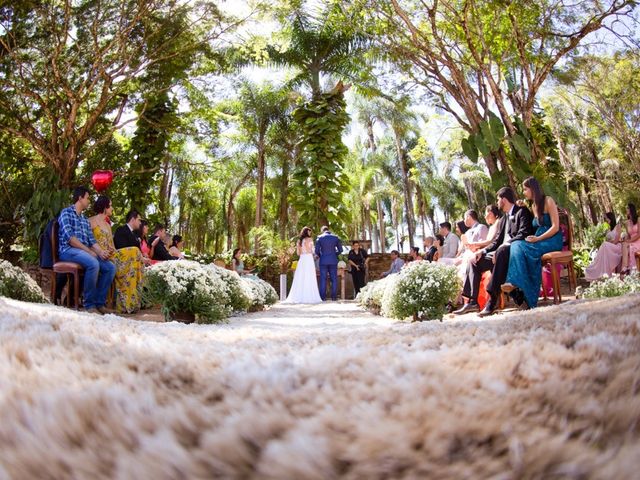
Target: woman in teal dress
{"points": [[525, 264]]}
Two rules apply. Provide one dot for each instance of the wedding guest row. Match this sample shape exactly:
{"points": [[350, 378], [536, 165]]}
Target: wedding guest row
{"points": [[617, 252], [106, 256]]}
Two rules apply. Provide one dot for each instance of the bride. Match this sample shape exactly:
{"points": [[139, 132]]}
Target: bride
{"points": [[305, 285]]}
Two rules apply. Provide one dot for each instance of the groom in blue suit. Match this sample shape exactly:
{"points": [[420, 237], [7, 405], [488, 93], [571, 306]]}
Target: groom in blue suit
{"points": [[328, 247]]}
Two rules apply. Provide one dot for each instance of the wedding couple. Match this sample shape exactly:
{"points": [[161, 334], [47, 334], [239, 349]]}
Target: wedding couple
{"points": [[305, 286]]}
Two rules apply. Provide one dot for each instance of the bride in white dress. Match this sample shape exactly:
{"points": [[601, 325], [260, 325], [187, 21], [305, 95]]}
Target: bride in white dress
{"points": [[305, 284]]}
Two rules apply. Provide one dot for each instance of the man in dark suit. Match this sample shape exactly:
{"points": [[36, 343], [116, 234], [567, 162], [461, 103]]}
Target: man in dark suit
{"points": [[328, 247], [127, 235], [515, 226], [156, 241]]}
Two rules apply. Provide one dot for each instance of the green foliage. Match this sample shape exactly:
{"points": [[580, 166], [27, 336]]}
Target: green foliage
{"points": [[47, 201], [582, 258], [595, 235], [16, 283], [150, 148], [16, 188], [318, 181], [487, 140], [282, 249]]}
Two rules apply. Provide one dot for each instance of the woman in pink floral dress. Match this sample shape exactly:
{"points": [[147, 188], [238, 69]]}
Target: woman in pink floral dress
{"points": [[631, 244]]}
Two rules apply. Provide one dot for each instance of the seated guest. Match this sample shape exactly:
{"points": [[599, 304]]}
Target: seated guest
{"points": [[525, 264], [631, 244], [609, 256], [414, 253], [127, 235], [177, 244], [491, 215], [477, 232], [128, 260], [238, 264], [448, 248], [396, 264], [461, 229], [429, 249], [514, 227], [77, 244], [145, 247], [159, 249]]}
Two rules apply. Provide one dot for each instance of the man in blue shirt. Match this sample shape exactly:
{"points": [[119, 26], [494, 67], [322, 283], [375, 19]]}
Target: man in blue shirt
{"points": [[396, 264], [76, 244]]}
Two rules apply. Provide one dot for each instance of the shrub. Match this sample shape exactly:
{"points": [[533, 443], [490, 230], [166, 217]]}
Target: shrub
{"points": [[594, 235], [421, 290], [612, 286], [238, 298], [582, 258], [260, 293], [372, 295], [16, 283], [185, 286]]}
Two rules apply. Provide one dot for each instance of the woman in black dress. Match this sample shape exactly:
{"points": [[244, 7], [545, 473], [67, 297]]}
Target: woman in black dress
{"points": [[357, 261]]}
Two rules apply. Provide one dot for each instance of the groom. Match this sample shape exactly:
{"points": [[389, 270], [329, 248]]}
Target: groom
{"points": [[328, 247]]}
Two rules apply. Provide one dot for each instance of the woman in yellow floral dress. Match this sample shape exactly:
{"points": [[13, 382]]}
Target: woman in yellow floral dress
{"points": [[128, 261]]}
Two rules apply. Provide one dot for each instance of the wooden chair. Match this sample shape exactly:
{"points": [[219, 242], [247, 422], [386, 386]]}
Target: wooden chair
{"points": [[564, 258], [46, 271], [69, 269]]}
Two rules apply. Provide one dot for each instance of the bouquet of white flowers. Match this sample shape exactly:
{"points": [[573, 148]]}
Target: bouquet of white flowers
{"points": [[421, 291], [612, 286], [260, 293], [184, 286], [16, 283], [372, 294]]}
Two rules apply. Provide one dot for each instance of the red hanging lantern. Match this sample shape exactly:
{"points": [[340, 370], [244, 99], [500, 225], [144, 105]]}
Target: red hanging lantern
{"points": [[101, 179]]}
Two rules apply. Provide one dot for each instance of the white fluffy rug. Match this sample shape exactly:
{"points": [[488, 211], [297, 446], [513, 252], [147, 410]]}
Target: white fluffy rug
{"points": [[319, 393]]}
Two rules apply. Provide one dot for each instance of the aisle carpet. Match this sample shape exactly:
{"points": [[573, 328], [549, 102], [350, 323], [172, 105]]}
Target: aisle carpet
{"points": [[319, 393]]}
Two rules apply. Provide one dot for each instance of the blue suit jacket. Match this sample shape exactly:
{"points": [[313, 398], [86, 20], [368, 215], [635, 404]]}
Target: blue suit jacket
{"points": [[328, 247]]}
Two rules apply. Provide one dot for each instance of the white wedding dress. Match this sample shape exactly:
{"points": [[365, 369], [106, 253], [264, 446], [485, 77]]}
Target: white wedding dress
{"points": [[305, 284]]}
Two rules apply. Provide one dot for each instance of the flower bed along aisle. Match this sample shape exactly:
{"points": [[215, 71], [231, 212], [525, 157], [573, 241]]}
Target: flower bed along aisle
{"points": [[420, 291], [17, 284], [209, 292]]}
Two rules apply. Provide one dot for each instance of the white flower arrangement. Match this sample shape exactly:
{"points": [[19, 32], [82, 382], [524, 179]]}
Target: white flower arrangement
{"points": [[260, 293], [342, 264], [611, 286], [421, 291], [16, 283], [208, 292]]}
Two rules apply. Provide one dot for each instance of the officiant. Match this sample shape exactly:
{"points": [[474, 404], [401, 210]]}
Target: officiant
{"points": [[358, 260]]}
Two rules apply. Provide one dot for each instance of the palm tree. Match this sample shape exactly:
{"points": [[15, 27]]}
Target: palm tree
{"points": [[401, 120], [258, 109], [321, 44]]}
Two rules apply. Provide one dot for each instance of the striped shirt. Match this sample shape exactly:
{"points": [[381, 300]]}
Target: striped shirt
{"points": [[73, 225]]}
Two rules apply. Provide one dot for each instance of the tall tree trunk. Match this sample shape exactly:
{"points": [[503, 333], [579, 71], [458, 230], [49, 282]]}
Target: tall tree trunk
{"points": [[381, 229], [592, 210], [164, 187], [231, 209], [406, 183], [603, 190], [260, 190], [284, 194]]}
